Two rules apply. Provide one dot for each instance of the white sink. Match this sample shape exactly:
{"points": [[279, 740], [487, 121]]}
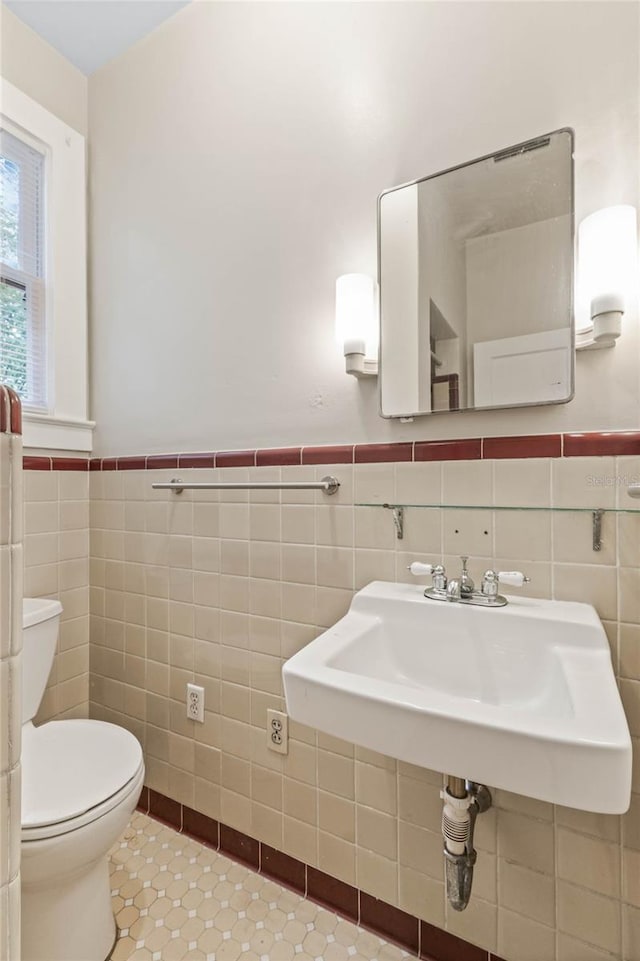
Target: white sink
{"points": [[521, 697]]}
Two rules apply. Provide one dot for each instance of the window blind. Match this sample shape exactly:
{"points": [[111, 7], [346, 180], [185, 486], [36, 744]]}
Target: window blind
{"points": [[23, 356]]}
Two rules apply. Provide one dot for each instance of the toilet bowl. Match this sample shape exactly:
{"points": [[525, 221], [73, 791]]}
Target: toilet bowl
{"points": [[81, 781]]}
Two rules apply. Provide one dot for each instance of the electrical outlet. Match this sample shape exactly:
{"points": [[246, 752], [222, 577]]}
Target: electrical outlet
{"points": [[278, 731], [195, 703]]}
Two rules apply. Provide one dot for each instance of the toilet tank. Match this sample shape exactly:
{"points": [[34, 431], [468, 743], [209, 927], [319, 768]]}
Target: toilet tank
{"points": [[40, 622]]}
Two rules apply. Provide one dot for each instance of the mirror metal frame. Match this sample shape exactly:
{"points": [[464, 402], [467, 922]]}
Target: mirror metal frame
{"points": [[572, 324]]}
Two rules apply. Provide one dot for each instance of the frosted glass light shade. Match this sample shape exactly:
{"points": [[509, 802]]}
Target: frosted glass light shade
{"points": [[356, 315], [608, 263]]}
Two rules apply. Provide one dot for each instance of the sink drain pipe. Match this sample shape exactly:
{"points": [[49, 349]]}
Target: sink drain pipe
{"points": [[463, 801]]}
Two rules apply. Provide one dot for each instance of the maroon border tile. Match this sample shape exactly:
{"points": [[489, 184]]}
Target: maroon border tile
{"points": [[282, 867], [535, 445], [162, 461], [602, 444], [131, 463], [494, 957], [467, 449], [470, 448], [338, 895], [328, 455], [382, 453], [394, 924], [165, 809], [279, 457], [200, 826], [197, 460], [69, 463], [235, 458], [240, 845], [5, 412], [31, 462], [439, 945], [143, 801]]}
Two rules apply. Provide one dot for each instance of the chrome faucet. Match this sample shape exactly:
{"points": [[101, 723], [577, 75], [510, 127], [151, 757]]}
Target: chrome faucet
{"points": [[463, 586], [461, 589]]}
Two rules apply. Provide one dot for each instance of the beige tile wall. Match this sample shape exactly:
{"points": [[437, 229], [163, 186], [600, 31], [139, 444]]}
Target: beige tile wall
{"points": [[10, 693], [223, 588], [56, 553]]}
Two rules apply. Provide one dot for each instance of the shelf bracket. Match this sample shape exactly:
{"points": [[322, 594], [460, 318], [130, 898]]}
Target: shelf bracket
{"points": [[398, 519], [597, 529]]}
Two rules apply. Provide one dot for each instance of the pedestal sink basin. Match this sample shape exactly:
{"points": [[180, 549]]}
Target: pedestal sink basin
{"points": [[521, 697]]}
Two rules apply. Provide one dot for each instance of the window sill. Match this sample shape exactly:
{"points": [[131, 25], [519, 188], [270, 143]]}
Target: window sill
{"points": [[56, 433]]}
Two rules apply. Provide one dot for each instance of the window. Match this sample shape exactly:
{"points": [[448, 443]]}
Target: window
{"points": [[22, 297], [43, 272]]}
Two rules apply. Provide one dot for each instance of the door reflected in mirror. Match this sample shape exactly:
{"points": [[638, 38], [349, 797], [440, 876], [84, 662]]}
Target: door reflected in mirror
{"points": [[476, 283]]}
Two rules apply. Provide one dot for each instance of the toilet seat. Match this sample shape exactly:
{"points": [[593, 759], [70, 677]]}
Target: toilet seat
{"points": [[73, 772]]}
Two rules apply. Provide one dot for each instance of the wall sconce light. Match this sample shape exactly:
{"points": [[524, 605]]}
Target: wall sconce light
{"points": [[357, 323], [608, 274]]}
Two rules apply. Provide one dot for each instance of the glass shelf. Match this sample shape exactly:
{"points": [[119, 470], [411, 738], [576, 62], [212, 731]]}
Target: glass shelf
{"points": [[597, 513], [390, 505]]}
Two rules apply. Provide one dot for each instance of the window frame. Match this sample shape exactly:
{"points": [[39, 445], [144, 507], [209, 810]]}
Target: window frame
{"points": [[34, 285], [64, 425]]}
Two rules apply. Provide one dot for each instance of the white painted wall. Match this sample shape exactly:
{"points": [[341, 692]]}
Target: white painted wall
{"points": [[38, 70], [237, 153], [400, 291], [518, 278], [513, 275]]}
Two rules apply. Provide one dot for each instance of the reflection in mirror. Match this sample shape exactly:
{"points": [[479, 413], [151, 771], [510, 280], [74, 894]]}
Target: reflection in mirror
{"points": [[476, 283]]}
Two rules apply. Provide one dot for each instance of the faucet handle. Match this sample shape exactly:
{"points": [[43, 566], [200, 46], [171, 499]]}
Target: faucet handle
{"points": [[513, 578], [489, 586], [419, 570]]}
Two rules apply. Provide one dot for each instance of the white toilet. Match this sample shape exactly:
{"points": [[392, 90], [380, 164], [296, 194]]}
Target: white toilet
{"points": [[81, 781]]}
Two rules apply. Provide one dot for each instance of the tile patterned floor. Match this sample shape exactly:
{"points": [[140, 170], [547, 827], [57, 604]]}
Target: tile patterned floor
{"points": [[177, 899]]}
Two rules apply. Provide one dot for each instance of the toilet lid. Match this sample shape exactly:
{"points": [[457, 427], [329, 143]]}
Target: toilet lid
{"points": [[69, 767]]}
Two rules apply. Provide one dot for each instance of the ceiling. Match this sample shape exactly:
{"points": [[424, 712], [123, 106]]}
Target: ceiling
{"points": [[89, 33]]}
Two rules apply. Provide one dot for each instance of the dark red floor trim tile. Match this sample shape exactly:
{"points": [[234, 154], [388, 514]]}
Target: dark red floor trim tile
{"points": [[235, 458], [339, 895], [279, 457], [392, 923], [197, 460], [95, 463], [165, 809], [109, 463], [143, 800], [328, 455], [467, 449], [132, 463], [200, 826], [15, 411], [439, 945], [36, 463], [494, 957], [162, 461], [281, 867], [5, 410], [240, 846], [382, 453], [603, 444], [69, 463], [541, 445]]}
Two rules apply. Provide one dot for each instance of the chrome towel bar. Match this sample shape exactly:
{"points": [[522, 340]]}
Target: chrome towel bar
{"points": [[329, 485]]}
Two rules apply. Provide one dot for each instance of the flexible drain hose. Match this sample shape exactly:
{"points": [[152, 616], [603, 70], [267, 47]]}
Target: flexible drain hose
{"points": [[463, 802]]}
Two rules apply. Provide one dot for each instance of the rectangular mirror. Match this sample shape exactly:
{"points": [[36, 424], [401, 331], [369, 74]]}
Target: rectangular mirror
{"points": [[475, 266]]}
